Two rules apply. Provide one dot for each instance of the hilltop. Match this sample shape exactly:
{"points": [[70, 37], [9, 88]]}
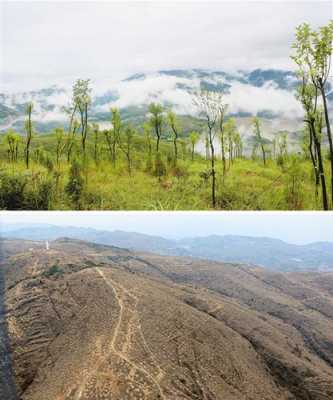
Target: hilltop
{"points": [[88, 321]]}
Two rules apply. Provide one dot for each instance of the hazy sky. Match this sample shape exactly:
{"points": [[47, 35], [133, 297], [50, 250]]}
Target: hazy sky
{"points": [[300, 227], [50, 41]]}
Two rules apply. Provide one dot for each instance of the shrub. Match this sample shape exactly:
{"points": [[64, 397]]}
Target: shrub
{"points": [[39, 196], [75, 185], [12, 191], [293, 189], [55, 271], [160, 169]]}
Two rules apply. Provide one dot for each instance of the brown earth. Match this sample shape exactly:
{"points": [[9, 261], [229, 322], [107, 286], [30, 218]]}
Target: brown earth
{"points": [[92, 322]]}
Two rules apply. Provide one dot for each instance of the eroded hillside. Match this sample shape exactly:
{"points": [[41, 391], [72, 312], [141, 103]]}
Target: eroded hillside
{"points": [[87, 321]]}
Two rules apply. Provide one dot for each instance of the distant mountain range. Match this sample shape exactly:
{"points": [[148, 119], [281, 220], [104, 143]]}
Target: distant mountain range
{"points": [[270, 253], [266, 93]]}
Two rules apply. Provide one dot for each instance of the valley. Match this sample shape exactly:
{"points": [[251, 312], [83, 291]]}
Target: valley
{"points": [[90, 321]]}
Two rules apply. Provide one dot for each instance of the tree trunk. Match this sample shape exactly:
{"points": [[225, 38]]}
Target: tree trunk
{"points": [[313, 160], [175, 149], [320, 165], [29, 133], [212, 168], [329, 133], [263, 154]]}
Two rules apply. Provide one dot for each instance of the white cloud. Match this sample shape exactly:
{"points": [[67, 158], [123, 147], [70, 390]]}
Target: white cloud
{"points": [[268, 97], [52, 41]]}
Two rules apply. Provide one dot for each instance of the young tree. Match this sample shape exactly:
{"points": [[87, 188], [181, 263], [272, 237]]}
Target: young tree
{"points": [[13, 140], [208, 104], [148, 143], [156, 121], [222, 111], [29, 132], [174, 124], [71, 134], [194, 138], [258, 137], [82, 101], [125, 144], [60, 143], [112, 135], [231, 131], [238, 145], [307, 93], [95, 129], [75, 185], [313, 51]]}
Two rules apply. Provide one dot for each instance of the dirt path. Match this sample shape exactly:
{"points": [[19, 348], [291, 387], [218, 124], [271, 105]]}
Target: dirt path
{"points": [[129, 324]]}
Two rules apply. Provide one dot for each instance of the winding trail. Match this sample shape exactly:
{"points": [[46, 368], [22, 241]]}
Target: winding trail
{"points": [[121, 347]]}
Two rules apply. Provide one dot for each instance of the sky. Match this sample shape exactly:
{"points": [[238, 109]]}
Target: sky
{"points": [[54, 41], [292, 227]]}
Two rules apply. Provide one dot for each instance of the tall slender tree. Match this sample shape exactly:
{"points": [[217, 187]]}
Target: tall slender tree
{"points": [[194, 138], [125, 144], [112, 135], [60, 143], [29, 133], [175, 127], [82, 101], [312, 54], [222, 112], [95, 129], [148, 143], [156, 121], [260, 141], [208, 104]]}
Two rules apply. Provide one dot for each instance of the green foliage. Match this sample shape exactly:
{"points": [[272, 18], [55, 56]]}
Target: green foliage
{"points": [[12, 191], [293, 189], [25, 191], [75, 185], [54, 271], [160, 168]]}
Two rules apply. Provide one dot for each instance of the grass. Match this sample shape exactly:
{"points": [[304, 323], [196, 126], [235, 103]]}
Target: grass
{"points": [[247, 185]]}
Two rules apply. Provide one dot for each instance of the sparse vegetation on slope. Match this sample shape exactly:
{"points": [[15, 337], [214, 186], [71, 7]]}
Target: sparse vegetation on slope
{"points": [[121, 325], [153, 165]]}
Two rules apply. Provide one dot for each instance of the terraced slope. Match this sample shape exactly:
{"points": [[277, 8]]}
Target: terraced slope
{"points": [[92, 322]]}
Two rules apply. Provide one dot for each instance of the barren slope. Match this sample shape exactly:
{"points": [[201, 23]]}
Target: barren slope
{"points": [[93, 322]]}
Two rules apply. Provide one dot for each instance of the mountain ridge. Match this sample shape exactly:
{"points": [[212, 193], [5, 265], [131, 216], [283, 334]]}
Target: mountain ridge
{"points": [[272, 89], [268, 252]]}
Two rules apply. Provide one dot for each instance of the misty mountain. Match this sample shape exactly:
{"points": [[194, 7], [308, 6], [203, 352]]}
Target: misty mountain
{"points": [[266, 93], [270, 253]]}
